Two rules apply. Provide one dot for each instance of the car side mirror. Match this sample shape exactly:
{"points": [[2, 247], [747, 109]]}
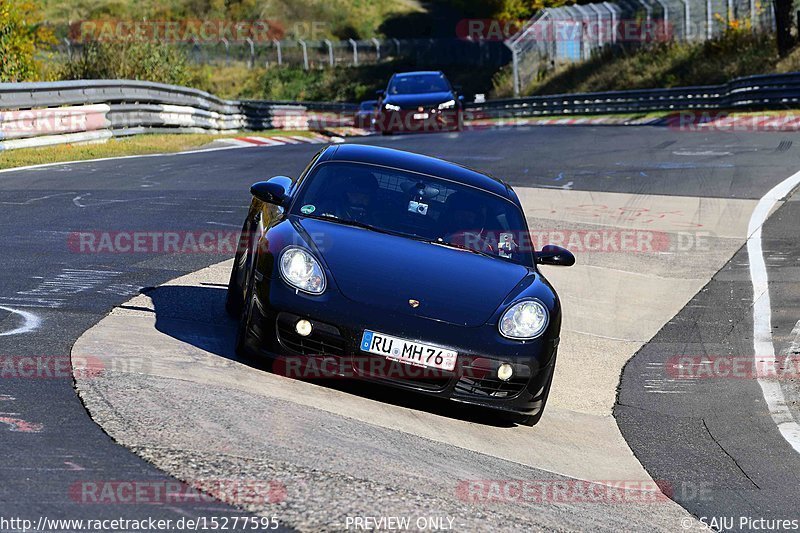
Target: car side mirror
{"points": [[272, 191], [554, 255]]}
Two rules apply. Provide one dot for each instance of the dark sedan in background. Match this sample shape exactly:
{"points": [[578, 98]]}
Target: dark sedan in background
{"points": [[364, 116], [402, 269], [419, 102]]}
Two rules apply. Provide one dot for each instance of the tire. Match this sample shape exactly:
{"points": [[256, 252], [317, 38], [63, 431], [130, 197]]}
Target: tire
{"points": [[246, 308], [234, 300]]}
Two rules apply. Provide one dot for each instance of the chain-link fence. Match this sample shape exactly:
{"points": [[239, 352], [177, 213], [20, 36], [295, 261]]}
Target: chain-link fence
{"points": [[326, 53], [573, 33]]}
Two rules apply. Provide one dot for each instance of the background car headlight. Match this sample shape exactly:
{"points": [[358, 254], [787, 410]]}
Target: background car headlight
{"points": [[448, 104], [524, 320], [301, 270], [391, 107]]}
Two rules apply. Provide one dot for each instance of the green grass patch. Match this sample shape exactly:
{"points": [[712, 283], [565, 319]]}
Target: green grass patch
{"points": [[134, 145]]}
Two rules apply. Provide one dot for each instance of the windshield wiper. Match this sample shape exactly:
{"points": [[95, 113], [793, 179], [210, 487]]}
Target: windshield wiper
{"points": [[358, 224], [462, 247]]}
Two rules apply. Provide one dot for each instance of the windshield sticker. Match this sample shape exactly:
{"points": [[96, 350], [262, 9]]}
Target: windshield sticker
{"points": [[307, 209]]}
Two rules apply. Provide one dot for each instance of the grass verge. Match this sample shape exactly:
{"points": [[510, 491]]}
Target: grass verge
{"points": [[135, 145]]}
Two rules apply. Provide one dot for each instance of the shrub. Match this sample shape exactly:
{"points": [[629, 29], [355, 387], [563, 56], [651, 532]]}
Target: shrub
{"points": [[22, 35], [131, 59]]}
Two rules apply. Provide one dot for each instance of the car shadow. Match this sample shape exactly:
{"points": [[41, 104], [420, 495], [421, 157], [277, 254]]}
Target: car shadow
{"points": [[196, 315]]}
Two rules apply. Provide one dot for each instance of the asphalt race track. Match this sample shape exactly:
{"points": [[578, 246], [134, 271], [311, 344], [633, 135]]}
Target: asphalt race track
{"points": [[340, 450]]}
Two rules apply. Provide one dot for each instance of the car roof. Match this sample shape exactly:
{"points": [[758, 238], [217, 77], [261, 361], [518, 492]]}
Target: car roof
{"points": [[423, 164]]}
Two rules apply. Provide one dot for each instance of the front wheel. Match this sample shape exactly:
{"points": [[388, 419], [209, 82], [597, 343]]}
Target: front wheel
{"points": [[234, 300], [243, 335], [243, 329]]}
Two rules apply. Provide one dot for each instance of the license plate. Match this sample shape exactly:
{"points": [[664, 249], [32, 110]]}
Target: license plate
{"points": [[411, 352], [420, 116]]}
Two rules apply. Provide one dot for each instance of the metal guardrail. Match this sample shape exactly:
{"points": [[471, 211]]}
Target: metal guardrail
{"points": [[41, 114], [778, 91]]}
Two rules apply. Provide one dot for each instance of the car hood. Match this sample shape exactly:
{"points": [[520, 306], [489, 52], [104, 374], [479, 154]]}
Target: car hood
{"points": [[421, 99], [386, 271]]}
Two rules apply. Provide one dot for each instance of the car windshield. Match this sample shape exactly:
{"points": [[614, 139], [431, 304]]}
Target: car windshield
{"points": [[419, 83], [418, 206]]}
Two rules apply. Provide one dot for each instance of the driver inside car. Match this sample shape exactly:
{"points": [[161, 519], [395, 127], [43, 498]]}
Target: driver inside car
{"points": [[355, 197], [465, 222]]}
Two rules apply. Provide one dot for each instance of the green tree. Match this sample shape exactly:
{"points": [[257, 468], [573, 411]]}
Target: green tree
{"points": [[22, 36]]}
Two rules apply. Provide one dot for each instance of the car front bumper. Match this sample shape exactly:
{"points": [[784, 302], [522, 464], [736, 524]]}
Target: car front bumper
{"points": [[332, 351]]}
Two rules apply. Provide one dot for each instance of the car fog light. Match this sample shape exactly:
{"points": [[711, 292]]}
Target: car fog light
{"points": [[505, 372], [303, 327]]}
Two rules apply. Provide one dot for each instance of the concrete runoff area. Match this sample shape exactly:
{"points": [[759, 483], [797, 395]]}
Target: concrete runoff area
{"points": [[168, 367]]}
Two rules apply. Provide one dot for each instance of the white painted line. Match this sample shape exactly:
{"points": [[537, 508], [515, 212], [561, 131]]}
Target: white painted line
{"points": [[284, 140], [45, 165], [238, 142], [31, 321], [263, 141], [762, 311]]}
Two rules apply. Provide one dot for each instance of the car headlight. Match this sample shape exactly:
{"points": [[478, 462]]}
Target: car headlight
{"points": [[524, 320], [448, 104], [391, 107], [301, 270]]}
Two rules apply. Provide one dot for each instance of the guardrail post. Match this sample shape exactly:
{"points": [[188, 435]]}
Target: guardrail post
{"points": [[665, 10], [305, 53], [252, 61], [599, 29], [377, 44], [687, 28], [198, 55], [278, 48], [354, 44], [613, 21], [515, 66], [329, 44], [227, 51], [649, 11]]}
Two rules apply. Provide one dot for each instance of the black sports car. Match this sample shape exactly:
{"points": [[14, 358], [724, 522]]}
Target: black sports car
{"points": [[402, 269], [419, 102]]}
